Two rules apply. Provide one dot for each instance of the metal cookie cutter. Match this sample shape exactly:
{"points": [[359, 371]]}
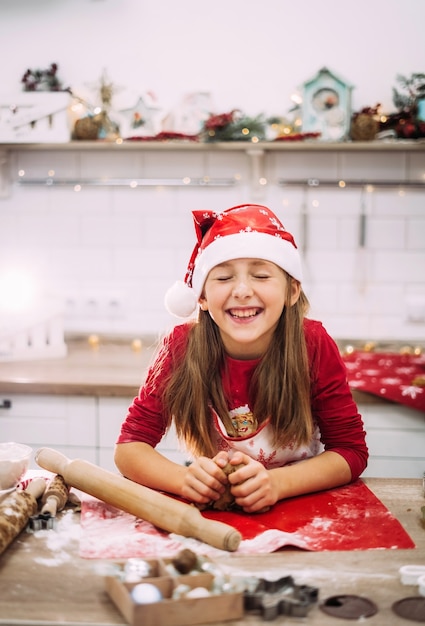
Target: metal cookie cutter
{"points": [[280, 597], [42, 521]]}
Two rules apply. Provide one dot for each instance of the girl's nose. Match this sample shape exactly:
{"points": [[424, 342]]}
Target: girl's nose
{"points": [[242, 289]]}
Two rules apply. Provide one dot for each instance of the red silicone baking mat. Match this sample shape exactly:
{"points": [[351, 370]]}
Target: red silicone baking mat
{"points": [[346, 518]]}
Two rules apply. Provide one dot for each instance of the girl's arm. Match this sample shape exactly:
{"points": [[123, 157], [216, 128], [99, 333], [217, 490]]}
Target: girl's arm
{"points": [[200, 482]]}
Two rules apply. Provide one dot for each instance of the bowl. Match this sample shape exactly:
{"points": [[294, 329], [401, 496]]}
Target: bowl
{"points": [[14, 462]]}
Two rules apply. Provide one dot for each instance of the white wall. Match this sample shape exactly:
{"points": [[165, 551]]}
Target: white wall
{"points": [[104, 243], [248, 55]]}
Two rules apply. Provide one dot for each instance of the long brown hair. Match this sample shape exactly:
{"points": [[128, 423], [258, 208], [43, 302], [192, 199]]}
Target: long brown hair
{"points": [[280, 385]]}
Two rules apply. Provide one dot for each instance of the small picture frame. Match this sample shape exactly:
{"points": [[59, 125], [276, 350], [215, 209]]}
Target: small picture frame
{"points": [[326, 106]]}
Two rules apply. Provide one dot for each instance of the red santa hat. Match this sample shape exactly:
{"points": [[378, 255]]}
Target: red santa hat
{"points": [[248, 231]]}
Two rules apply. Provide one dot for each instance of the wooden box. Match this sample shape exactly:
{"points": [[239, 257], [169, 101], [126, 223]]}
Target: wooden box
{"points": [[174, 612]]}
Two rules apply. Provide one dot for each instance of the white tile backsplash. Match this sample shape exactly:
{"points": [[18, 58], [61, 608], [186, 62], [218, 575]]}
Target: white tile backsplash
{"points": [[107, 242]]}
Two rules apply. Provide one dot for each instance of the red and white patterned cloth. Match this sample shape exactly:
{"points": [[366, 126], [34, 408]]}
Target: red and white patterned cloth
{"points": [[395, 377]]}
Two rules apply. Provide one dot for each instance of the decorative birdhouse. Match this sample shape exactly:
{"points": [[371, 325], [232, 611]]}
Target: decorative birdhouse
{"points": [[326, 106]]}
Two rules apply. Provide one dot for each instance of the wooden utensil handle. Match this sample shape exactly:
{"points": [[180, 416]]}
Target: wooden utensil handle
{"points": [[16, 509], [56, 495], [163, 511]]}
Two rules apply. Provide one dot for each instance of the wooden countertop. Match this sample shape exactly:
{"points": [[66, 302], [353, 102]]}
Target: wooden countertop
{"points": [[113, 368], [36, 589]]}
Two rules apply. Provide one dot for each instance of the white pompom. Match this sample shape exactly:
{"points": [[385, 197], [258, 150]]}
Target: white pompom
{"points": [[180, 300]]}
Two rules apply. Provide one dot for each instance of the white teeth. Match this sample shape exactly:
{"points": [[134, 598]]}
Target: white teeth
{"points": [[242, 314]]}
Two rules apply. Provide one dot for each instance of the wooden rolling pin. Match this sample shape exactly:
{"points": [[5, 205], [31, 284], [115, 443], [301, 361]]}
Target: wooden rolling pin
{"points": [[55, 497], [163, 511], [16, 509]]}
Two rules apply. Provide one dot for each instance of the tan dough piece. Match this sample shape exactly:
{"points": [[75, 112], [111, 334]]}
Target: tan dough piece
{"points": [[226, 501]]}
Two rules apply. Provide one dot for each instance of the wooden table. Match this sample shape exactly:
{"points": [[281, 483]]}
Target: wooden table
{"points": [[59, 587]]}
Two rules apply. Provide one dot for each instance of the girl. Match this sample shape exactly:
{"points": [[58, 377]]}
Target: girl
{"points": [[251, 382]]}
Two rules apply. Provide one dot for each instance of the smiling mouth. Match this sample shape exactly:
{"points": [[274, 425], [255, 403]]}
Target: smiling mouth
{"points": [[244, 313]]}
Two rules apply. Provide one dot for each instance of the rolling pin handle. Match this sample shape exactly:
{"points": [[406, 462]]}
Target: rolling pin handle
{"points": [[51, 460], [36, 488]]}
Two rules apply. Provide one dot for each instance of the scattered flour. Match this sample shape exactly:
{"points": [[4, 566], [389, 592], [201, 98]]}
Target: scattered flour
{"points": [[58, 540]]}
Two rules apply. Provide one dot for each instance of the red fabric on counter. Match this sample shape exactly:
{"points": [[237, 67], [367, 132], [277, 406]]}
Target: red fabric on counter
{"points": [[346, 518], [394, 377]]}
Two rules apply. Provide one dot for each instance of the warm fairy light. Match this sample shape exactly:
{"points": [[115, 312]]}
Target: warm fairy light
{"points": [[263, 181], [237, 176], [119, 140], [93, 341], [206, 179], [341, 184], [383, 119], [186, 180], [21, 173], [370, 188], [315, 203], [98, 110], [133, 184], [51, 173], [77, 187], [77, 107], [296, 98], [136, 345], [245, 131], [401, 193]]}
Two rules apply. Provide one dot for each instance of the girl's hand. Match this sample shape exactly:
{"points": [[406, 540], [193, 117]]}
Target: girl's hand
{"points": [[204, 479], [252, 485]]}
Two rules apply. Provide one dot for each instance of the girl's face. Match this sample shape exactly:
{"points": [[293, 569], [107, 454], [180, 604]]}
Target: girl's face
{"points": [[245, 298]]}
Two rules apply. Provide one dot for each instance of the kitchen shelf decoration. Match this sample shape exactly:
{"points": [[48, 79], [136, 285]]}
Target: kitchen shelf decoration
{"points": [[39, 114], [409, 99], [326, 105]]}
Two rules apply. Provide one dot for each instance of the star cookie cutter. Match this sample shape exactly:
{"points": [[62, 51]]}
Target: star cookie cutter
{"points": [[280, 597]]}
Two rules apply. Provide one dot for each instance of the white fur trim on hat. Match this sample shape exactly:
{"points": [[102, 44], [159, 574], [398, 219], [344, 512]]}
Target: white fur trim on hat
{"points": [[180, 300], [246, 245]]}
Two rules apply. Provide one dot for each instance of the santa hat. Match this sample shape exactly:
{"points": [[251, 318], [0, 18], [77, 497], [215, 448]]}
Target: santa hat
{"points": [[248, 231]]}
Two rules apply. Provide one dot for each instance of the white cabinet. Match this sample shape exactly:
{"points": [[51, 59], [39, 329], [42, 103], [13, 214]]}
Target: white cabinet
{"points": [[66, 423], [111, 414], [396, 441], [87, 427], [83, 427]]}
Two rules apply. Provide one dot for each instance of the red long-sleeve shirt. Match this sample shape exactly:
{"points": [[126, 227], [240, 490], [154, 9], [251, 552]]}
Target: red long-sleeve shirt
{"points": [[334, 411]]}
